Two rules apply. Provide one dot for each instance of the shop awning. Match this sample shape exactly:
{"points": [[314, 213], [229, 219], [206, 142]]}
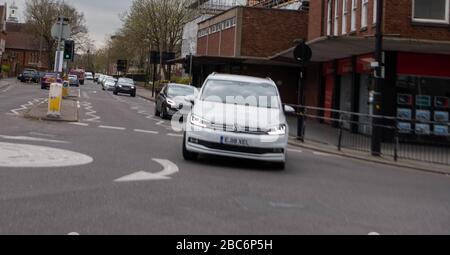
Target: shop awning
{"points": [[329, 48], [215, 60]]}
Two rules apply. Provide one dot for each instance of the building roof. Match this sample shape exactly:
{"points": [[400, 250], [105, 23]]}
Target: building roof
{"points": [[18, 38]]}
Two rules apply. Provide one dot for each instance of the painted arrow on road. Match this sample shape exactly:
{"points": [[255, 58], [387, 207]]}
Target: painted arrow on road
{"points": [[169, 169]]}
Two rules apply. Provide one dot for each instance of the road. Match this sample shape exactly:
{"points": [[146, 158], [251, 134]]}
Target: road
{"points": [[118, 136]]}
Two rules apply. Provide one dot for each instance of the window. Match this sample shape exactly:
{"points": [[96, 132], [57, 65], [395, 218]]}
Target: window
{"points": [[329, 17], [432, 11], [375, 10], [364, 13], [344, 16], [353, 21], [336, 17]]}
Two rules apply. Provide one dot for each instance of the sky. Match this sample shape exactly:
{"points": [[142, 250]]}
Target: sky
{"points": [[102, 16]]}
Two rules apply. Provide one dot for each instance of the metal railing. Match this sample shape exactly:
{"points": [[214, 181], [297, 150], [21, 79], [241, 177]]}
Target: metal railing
{"points": [[353, 131]]}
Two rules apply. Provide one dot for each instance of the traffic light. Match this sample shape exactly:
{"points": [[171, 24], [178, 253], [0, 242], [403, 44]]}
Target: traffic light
{"points": [[187, 64], [69, 50], [122, 65]]}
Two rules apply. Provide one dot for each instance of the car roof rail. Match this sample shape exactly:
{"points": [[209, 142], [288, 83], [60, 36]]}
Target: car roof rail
{"points": [[213, 73]]}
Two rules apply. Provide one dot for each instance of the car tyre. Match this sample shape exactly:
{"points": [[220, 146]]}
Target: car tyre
{"points": [[115, 93], [187, 155], [133, 94], [157, 113], [279, 166]]}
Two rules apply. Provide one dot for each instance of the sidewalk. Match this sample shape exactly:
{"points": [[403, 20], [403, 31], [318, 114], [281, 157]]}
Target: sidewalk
{"points": [[6, 82], [144, 93], [324, 138]]}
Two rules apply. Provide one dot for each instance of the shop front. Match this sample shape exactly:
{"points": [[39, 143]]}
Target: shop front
{"points": [[423, 95]]}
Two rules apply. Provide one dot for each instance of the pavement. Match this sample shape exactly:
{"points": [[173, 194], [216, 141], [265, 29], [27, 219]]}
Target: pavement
{"points": [[144, 93], [119, 170]]}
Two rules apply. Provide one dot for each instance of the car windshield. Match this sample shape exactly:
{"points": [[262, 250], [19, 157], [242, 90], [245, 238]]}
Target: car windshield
{"points": [[73, 77], [182, 90], [110, 80], [241, 93], [29, 72], [126, 81]]}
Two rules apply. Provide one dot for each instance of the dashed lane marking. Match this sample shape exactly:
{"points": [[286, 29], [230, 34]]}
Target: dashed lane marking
{"points": [[79, 124], [174, 135], [295, 150], [31, 139], [146, 131], [113, 128]]}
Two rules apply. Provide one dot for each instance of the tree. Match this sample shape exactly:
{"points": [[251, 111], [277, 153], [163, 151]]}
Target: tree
{"points": [[155, 25], [40, 15]]}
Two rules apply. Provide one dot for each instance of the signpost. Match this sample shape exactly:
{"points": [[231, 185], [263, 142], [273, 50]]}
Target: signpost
{"points": [[155, 59]]}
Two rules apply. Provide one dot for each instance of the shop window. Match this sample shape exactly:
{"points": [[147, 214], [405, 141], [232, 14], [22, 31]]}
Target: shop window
{"points": [[344, 16], [431, 11]]}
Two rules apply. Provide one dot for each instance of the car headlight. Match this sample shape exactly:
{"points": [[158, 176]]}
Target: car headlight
{"points": [[279, 130], [199, 122], [171, 102], [120, 86]]}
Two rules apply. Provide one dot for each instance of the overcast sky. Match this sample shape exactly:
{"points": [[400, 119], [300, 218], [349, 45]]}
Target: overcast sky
{"points": [[102, 16]]}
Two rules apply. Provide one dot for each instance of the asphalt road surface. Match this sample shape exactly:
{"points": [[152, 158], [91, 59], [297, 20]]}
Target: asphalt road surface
{"points": [[120, 171]]}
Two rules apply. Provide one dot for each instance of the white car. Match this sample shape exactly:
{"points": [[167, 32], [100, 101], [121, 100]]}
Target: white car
{"points": [[89, 76], [238, 116], [109, 83]]}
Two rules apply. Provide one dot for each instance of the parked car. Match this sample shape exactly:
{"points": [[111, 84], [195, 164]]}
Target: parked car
{"points": [[225, 121], [89, 76], [73, 80], [126, 86], [48, 79], [96, 76], [103, 79], [109, 83], [29, 75], [172, 98]]}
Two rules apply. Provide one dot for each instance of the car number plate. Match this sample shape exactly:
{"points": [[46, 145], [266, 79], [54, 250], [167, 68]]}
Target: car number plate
{"points": [[233, 141]]}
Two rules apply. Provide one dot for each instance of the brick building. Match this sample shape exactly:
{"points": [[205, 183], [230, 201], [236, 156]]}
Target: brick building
{"points": [[23, 50], [416, 59], [242, 40]]}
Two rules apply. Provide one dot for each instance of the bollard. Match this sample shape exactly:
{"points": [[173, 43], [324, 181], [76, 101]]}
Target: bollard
{"points": [[55, 100]]}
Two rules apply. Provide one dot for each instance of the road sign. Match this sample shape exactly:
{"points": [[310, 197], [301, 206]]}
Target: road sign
{"points": [[66, 31], [302, 53], [59, 60]]}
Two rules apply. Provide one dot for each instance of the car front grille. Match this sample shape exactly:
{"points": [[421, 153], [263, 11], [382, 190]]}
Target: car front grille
{"points": [[233, 129], [235, 148]]}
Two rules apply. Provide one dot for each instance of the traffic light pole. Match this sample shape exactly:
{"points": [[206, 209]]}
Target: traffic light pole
{"points": [[377, 132]]}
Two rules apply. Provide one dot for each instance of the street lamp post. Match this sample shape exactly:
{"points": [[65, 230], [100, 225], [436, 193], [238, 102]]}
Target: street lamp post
{"points": [[377, 131]]}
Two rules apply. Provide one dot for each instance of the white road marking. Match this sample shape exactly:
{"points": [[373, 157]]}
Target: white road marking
{"points": [[374, 234], [32, 139], [174, 135], [295, 150], [31, 156], [111, 127], [79, 124], [160, 123], [79, 93], [324, 154], [27, 105], [40, 134], [169, 168], [90, 112], [73, 234], [146, 131], [78, 104]]}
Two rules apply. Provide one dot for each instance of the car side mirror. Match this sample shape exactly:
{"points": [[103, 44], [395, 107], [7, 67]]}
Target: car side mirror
{"points": [[289, 109]]}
